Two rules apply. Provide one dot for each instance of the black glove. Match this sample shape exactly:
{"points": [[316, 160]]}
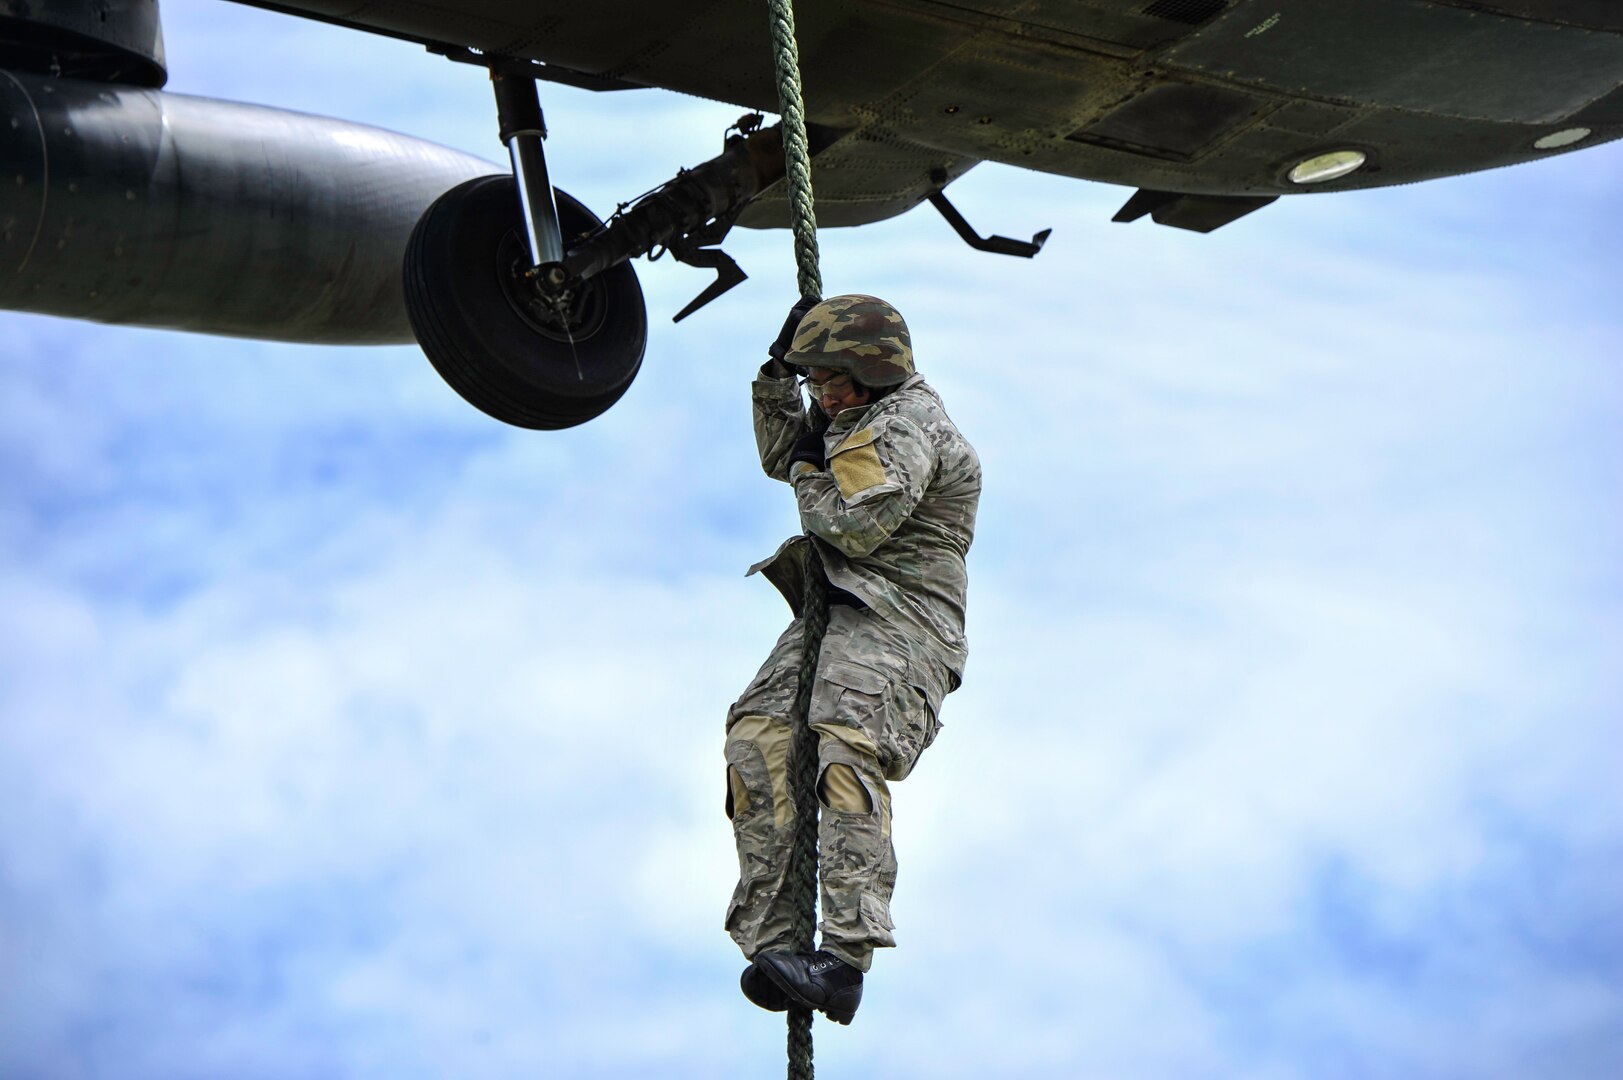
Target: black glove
{"points": [[809, 448], [786, 337]]}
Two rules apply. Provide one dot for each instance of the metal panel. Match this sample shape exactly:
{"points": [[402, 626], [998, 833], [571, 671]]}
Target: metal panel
{"points": [[1193, 12], [1608, 110], [1176, 120], [1594, 14], [1410, 54]]}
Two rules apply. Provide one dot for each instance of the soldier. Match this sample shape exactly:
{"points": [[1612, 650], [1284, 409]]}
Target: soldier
{"points": [[887, 490]]}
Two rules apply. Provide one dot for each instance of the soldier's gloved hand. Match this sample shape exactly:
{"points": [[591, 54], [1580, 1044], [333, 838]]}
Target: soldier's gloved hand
{"points": [[809, 448], [786, 337]]}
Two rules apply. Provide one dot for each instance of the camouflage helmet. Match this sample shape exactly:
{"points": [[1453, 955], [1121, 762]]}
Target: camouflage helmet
{"points": [[858, 334]]}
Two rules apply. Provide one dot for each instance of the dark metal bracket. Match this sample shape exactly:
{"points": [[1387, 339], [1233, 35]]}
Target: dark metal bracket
{"points": [[1197, 213], [728, 274], [997, 245], [687, 217], [697, 249]]}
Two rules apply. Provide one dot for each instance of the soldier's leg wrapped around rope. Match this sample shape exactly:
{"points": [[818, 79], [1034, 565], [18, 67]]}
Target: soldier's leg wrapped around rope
{"points": [[874, 712]]}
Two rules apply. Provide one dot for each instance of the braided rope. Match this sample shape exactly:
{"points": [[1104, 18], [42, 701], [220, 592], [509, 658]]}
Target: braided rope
{"points": [[796, 148], [802, 878], [803, 793]]}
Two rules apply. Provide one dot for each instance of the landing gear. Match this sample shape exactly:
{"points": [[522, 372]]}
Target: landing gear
{"points": [[490, 303], [527, 304], [513, 351]]}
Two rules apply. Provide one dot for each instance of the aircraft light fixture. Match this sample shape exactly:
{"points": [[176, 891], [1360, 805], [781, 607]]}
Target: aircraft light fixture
{"points": [[1331, 166], [1556, 140]]}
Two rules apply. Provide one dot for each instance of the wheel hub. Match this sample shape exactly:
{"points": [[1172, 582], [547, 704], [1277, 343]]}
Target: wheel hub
{"points": [[567, 315]]}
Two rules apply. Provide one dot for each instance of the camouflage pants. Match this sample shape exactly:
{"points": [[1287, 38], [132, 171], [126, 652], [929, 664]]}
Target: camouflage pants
{"points": [[874, 710]]}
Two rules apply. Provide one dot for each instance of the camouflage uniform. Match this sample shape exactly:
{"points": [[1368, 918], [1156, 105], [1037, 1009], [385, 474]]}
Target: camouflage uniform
{"points": [[892, 516]]}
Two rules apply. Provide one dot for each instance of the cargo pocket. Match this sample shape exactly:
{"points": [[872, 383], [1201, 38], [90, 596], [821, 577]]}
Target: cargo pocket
{"points": [[912, 721], [876, 920], [746, 911], [909, 728], [849, 695], [770, 693], [932, 691], [854, 676], [932, 724], [750, 700]]}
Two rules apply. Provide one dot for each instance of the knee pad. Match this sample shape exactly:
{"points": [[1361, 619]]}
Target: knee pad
{"points": [[850, 780], [757, 769], [839, 788], [749, 786], [738, 793]]}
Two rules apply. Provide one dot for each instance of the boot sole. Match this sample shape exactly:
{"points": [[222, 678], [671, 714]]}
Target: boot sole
{"points": [[842, 1007]]}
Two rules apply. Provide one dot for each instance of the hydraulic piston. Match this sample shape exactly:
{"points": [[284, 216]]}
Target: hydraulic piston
{"points": [[524, 131]]}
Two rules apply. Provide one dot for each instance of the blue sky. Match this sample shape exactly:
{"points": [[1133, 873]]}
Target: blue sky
{"points": [[346, 733]]}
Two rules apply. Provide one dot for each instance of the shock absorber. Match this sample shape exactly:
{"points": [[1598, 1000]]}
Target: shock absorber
{"points": [[524, 132]]}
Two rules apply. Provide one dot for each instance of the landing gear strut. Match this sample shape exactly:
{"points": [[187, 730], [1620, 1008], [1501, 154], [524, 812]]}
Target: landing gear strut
{"points": [[490, 303], [524, 132]]}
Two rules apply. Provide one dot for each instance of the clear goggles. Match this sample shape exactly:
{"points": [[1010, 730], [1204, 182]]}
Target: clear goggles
{"points": [[838, 386]]}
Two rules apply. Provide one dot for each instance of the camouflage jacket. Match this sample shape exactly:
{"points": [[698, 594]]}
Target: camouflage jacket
{"points": [[893, 513]]}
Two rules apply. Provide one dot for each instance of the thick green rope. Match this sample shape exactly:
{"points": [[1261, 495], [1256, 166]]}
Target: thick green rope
{"points": [[802, 878], [803, 793], [796, 148]]}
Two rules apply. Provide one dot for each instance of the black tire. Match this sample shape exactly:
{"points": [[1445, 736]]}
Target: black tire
{"points": [[487, 332]]}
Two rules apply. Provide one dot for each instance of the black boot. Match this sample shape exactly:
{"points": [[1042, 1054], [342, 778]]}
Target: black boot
{"points": [[762, 991], [820, 981]]}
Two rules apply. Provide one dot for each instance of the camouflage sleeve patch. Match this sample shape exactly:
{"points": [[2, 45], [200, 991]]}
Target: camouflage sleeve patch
{"points": [[895, 453], [856, 465]]}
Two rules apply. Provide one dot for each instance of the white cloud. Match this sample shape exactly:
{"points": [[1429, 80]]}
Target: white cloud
{"points": [[347, 732]]}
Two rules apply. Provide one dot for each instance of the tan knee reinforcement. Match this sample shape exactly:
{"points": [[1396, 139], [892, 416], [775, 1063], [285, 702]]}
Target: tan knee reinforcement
{"points": [[839, 789], [758, 767], [738, 796]]}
